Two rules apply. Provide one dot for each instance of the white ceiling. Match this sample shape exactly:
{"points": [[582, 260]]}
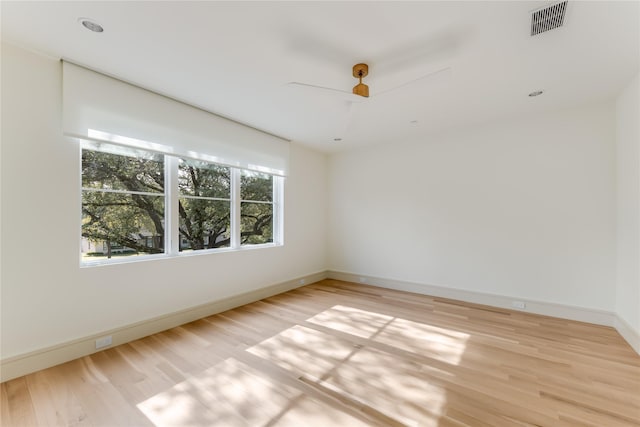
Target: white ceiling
{"points": [[235, 58]]}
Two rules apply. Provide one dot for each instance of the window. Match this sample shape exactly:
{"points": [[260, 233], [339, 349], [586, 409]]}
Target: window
{"points": [[123, 201], [126, 205], [256, 208], [204, 205]]}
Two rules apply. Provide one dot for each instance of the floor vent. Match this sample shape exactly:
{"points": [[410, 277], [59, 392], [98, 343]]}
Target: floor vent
{"points": [[548, 18]]}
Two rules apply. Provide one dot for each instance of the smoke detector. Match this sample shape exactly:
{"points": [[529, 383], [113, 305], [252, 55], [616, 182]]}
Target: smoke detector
{"points": [[547, 18]]}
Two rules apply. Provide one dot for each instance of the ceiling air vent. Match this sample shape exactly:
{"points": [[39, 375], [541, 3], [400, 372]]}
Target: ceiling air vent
{"points": [[548, 18]]}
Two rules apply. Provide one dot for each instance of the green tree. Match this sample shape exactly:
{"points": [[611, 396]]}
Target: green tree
{"points": [[205, 209], [256, 224], [113, 209]]}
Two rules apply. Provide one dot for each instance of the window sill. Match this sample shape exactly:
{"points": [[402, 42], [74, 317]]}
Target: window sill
{"points": [[145, 258]]}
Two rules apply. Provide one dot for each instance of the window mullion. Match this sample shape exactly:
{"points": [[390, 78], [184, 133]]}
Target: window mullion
{"points": [[172, 232], [235, 208], [278, 210]]}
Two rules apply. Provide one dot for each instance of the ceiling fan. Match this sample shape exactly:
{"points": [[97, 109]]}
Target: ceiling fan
{"points": [[360, 92]]}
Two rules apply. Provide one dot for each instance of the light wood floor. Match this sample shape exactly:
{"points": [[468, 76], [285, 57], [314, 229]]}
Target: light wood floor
{"points": [[343, 354]]}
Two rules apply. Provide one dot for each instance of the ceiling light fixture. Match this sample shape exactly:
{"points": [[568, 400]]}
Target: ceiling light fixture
{"points": [[536, 93], [91, 25]]}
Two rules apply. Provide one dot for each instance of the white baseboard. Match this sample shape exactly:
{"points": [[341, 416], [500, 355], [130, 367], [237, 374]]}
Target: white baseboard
{"points": [[599, 317], [24, 364], [628, 333]]}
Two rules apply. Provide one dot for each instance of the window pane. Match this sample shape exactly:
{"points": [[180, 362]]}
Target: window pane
{"points": [[256, 186], [196, 178], [204, 224], [123, 172], [256, 223], [121, 224]]}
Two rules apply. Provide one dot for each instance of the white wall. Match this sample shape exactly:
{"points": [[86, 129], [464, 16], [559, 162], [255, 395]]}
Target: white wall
{"points": [[524, 208], [628, 198], [47, 298]]}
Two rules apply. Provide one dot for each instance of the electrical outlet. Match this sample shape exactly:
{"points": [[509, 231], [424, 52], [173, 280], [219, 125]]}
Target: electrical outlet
{"points": [[303, 281], [519, 304], [104, 342], [363, 280]]}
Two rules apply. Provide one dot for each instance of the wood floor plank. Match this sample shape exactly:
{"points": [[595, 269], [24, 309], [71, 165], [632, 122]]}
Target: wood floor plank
{"points": [[345, 354], [57, 402], [20, 408]]}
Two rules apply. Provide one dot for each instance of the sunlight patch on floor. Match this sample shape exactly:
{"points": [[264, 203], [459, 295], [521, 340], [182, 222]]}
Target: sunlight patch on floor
{"points": [[439, 343], [232, 394], [390, 386], [303, 349], [372, 377], [426, 340], [351, 320]]}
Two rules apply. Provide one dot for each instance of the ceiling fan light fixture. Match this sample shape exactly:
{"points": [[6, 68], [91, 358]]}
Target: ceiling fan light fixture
{"points": [[361, 89]]}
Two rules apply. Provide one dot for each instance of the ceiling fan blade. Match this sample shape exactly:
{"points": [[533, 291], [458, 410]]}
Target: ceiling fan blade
{"points": [[336, 93], [444, 72]]}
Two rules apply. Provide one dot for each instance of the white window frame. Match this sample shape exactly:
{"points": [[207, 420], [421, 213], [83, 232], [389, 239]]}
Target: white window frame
{"points": [[172, 220]]}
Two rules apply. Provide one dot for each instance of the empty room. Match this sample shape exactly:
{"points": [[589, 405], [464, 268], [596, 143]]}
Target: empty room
{"points": [[320, 213]]}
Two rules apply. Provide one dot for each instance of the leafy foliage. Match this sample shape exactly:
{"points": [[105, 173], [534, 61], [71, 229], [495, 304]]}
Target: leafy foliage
{"points": [[204, 223], [256, 218], [134, 221], [256, 186], [256, 223]]}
